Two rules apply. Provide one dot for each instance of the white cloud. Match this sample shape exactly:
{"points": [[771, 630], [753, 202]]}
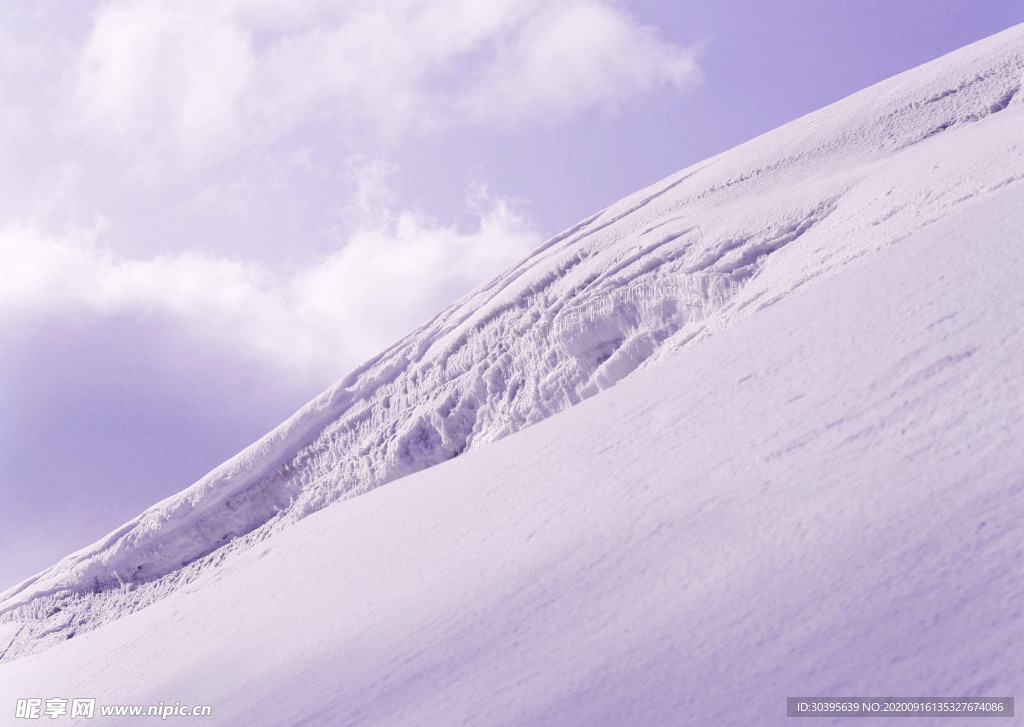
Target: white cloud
{"points": [[164, 75], [313, 323], [574, 56], [193, 78], [396, 276]]}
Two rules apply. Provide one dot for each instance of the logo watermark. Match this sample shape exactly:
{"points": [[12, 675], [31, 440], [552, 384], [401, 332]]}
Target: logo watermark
{"points": [[85, 708]]}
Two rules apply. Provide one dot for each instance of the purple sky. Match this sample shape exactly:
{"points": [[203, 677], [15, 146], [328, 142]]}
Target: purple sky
{"points": [[211, 211]]}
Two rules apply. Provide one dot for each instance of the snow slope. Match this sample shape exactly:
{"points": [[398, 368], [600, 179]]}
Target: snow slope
{"points": [[666, 271], [824, 499]]}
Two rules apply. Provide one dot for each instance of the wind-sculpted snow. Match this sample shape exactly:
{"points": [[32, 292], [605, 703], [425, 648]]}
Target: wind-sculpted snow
{"points": [[639, 281]]}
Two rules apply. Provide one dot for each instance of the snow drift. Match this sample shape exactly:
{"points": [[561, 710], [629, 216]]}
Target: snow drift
{"points": [[648, 283]]}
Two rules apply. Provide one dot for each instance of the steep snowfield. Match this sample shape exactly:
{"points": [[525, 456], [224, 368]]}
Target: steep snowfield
{"points": [[668, 270], [823, 499]]}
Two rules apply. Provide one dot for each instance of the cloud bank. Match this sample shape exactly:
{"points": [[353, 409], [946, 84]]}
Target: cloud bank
{"points": [[313, 322], [163, 133]]}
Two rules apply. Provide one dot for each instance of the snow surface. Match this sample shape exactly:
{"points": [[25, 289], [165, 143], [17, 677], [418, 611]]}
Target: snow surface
{"points": [[801, 489], [823, 499]]}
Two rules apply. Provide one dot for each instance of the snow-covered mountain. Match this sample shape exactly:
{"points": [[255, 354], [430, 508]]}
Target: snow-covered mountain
{"points": [[822, 333]]}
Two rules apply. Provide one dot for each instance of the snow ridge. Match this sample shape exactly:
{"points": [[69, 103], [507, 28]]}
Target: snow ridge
{"points": [[641, 280]]}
